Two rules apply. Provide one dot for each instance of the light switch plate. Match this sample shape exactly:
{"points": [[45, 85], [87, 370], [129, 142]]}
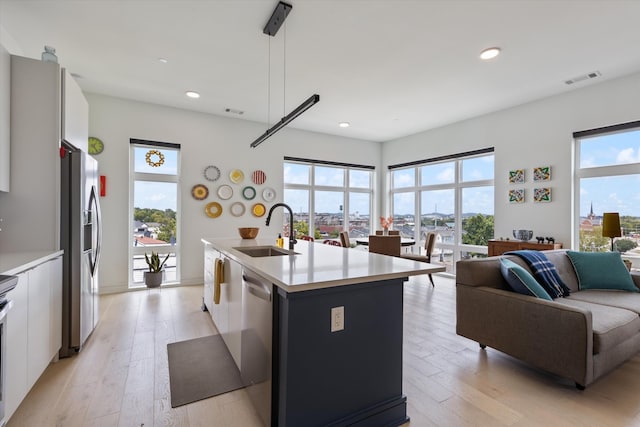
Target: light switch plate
{"points": [[337, 319]]}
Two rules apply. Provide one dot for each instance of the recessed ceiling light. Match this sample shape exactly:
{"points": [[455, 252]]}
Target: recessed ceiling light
{"points": [[192, 94], [490, 53], [344, 124], [163, 60]]}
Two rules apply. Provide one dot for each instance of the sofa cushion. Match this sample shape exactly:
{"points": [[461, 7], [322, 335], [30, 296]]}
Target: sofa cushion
{"points": [[619, 299], [601, 270], [611, 325], [521, 281]]}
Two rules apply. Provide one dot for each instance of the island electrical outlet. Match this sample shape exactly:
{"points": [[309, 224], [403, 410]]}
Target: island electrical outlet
{"points": [[337, 319]]}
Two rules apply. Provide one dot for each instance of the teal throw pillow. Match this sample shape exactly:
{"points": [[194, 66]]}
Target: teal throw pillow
{"points": [[601, 270], [521, 281]]}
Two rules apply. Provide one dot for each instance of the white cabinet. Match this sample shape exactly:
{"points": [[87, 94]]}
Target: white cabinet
{"points": [[38, 323], [34, 328], [227, 315], [16, 363], [5, 117], [55, 306]]}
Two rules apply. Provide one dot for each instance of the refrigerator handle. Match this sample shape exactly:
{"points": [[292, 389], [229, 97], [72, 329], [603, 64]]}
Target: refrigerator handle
{"points": [[94, 205]]}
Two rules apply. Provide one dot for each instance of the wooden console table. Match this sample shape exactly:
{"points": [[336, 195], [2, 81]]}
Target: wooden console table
{"points": [[498, 247]]}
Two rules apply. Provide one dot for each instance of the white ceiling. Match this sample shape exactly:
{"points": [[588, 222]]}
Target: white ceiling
{"points": [[390, 68]]}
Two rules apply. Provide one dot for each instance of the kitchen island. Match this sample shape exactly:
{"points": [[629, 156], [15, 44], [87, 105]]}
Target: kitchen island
{"points": [[333, 346]]}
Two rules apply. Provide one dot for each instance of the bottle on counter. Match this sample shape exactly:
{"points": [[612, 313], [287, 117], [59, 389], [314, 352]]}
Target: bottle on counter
{"points": [[280, 241]]}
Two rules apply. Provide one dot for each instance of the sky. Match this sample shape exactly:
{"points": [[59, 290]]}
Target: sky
{"points": [[611, 194], [155, 195]]}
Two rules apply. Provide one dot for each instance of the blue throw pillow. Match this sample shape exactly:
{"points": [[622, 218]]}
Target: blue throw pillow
{"points": [[521, 281], [601, 270]]}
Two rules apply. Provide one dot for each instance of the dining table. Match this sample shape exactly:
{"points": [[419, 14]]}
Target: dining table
{"points": [[404, 241]]}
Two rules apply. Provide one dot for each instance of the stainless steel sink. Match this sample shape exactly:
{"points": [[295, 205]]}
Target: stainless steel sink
{"points": [[263, 251]]}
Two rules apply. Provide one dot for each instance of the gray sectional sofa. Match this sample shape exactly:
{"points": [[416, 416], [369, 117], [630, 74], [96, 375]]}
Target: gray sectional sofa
{"points": [[580, 337]]}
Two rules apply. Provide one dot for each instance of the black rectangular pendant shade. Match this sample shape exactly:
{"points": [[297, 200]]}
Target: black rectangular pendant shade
{"points": [[310, 102], [277, 18]]}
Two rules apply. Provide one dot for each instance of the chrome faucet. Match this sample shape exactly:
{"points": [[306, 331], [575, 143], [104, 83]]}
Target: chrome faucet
{"points": [[292, 234]]}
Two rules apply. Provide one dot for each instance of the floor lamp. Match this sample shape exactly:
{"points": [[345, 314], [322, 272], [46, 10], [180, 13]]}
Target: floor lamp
{"points": [[611, 226]]}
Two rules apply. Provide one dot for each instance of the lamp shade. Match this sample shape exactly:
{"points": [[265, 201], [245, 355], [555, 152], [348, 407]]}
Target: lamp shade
{"points": [[611, 224]]}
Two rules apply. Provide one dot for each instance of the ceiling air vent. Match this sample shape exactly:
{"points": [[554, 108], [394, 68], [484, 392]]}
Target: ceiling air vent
{"points": [[587, 76]]}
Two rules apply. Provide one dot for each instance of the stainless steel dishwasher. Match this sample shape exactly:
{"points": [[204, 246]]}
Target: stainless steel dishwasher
{"points": [[257, 336]]}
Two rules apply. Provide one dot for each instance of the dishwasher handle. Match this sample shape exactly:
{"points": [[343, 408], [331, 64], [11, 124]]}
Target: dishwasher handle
{"points": [[257, 288]]}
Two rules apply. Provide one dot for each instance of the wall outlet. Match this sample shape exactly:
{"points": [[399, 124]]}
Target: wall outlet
{"points": [[337, 319]]}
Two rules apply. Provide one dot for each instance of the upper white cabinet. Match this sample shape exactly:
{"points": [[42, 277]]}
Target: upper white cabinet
{"points": [[5, 118], [75, 113]]}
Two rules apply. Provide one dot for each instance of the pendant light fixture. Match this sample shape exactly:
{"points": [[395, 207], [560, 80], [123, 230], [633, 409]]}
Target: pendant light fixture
{"points": [[278, 16]]}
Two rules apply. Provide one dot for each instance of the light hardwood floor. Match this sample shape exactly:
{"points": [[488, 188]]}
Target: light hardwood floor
{"points": [[121, 377]]}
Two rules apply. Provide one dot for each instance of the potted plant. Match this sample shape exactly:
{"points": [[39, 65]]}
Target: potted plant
{"points": [[153, 277]]}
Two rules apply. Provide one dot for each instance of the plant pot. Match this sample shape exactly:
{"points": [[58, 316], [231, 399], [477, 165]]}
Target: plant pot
{"points": [[153, 279]]}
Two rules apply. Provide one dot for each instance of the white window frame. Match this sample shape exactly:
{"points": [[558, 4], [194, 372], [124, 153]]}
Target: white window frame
{"points": [[596, 172], [458, 185], [311, 188], [153, 177]]}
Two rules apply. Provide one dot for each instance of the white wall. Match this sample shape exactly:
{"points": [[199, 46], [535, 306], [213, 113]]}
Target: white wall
{"points": [[205, 140], [534, 134]]}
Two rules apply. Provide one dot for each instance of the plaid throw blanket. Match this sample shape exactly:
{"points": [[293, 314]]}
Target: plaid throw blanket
{"points": [[544, 272]]}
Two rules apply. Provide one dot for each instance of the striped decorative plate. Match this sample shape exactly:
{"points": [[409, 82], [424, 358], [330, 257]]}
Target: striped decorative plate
{"points": [[258, 177]]}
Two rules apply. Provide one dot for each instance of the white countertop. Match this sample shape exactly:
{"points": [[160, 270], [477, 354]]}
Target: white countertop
{"points": [[16, 262], [317, 266]]}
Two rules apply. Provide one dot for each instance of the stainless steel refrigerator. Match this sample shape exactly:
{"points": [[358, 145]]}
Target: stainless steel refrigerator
{"points": [[80, 238]]}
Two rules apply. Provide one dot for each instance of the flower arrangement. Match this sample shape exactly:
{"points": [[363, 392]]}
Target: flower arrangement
{"points": [[386, 222]]}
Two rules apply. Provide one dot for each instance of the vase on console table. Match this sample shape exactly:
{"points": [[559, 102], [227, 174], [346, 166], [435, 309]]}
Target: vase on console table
{"points": [[385, 231]]}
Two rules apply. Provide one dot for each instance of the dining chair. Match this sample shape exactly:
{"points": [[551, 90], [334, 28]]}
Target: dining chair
{"points": [[307, 238], [332, 242], [385, 245], [429, 243], [344, 239], [391, 233]]}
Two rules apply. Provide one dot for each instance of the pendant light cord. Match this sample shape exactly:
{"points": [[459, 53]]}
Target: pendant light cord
{"points": [[284, 71], [269, 86]]}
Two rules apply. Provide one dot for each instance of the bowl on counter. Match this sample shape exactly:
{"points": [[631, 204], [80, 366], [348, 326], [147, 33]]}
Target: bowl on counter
{"points": [[523, 235], [248, 232]]}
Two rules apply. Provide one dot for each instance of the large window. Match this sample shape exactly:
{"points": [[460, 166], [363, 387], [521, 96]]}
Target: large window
{"points": [[327, 198], [154, 215], [452, 196], [607, 180]]}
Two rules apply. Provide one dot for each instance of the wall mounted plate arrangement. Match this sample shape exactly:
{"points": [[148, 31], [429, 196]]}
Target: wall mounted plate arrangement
{"points": [[236, 176], [237, 209], [258, 210], [211, 173], [225, 192], [269, 194], [258, 177], [213, 210], [199, 192], [249, 193]]}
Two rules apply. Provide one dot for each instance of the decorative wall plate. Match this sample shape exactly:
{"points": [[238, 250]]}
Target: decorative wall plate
{"points": [[248, 193], [199, 192], [237, 209], [258, 210], [269, 194], [225, 192], [211, 173], [213, 210], [258, 177], [236, 176]]}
